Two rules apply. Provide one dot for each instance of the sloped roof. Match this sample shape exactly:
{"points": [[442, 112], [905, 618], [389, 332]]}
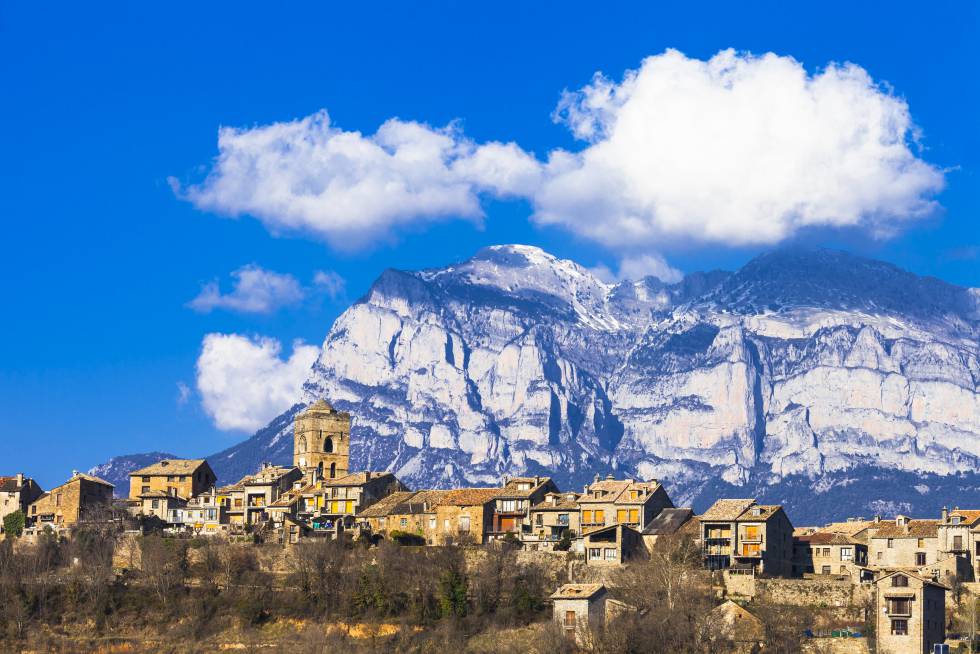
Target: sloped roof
{"points": [[914, 529], [849, 527], [614, 490], [9, 484], [765, 511], [827, 538], [737, 623], [566, 502], [356, 478], [169, 467], [511, 489], [81, 475], [969, 516], [469, 496], [726, 509], [914, 575], [386, 505], [578, 591], [667, 522]]}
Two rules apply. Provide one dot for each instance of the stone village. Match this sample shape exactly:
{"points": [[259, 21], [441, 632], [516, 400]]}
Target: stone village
{"points": [[903, 571]]}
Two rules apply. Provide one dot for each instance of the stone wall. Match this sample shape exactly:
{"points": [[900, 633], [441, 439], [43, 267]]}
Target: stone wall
{"points": [[811, 592]]}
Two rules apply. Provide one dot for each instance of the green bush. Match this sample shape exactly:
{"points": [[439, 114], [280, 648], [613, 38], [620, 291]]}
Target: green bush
{"points": [[13, 524], [407, 538]]}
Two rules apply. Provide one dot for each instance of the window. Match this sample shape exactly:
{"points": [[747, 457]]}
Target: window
{"points": [[156, 504], [891, 542], [634, 495], [900, 627], [333, 470], [301, 444], [879, 556], [508, 506], [432, 523], [600, 517], [956, 520], [595, 553], [957, 543], [900, 581], [622, 515], [523, 486], [539, 519], [170, 477], [328, 445], [464, 523], [146, 480], [610, 553], [920, 543], [569, 619], [899, 606], [403, 522], [635, 516], [445, 525], [144, 490], [920, 558], [752, 532], [847, 554], [587, 517], [57, 499], [825, 570]]}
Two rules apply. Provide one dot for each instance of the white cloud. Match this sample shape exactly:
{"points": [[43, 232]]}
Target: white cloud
{"points": [[330, 283], [351, 189], [638, 267], [183, 393], [244, 382], [738, 149], [256, 290]]}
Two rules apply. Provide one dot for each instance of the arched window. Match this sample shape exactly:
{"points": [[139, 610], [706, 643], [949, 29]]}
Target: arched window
{"points": [[328, 445], [319, 470], [333, 470], [301, 443]]}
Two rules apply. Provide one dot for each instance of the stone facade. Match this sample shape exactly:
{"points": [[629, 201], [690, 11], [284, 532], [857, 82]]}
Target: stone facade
{"points": [[610, 501], [180, 477], [321, 441], [579, 609], [741, 533], [828, 554], [17, 492], [903, 543], [64, 505], [514, 500], [551, 518], [910, 613], [612, 545], [958, 535]]}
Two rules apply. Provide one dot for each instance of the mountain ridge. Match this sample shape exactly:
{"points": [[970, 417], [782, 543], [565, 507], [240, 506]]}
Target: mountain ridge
{"points": [[802, 364]]}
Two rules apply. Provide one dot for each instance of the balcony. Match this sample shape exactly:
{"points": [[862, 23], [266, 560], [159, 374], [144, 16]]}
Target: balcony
{"points": [[716, 550], [749, 552]]}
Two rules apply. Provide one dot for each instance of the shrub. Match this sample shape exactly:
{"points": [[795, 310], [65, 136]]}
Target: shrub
{"points": [[407, 538], [13, 524]]}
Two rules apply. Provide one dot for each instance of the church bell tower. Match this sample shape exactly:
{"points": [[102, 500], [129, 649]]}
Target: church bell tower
{"points": [[321, 444]]}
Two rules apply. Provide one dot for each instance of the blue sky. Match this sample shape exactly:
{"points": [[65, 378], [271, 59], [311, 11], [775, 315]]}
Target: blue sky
{"points": [[102, 105]]}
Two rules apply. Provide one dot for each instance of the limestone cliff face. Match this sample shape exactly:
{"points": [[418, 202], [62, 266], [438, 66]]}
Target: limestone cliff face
{"points": [[803, 363]]}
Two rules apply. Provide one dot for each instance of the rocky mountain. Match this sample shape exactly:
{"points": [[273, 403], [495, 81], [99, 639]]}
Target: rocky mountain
{"points": [[797, 378]]}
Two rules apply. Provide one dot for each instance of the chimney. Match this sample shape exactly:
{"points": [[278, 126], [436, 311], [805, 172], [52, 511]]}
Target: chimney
{"points": [[74, 473], [610, 477], [877, 518], [597, 478], [367, 476], [20, 480], [945, 514], [554, 500], [537, 480]]}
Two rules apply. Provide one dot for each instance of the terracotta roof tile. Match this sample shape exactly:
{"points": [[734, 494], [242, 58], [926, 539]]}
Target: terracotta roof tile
{"points": [[726, 509], [356, 478], [577, 591], [914, 529], [469, 496]]}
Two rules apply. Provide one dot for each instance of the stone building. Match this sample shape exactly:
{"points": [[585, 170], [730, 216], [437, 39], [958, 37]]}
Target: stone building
{"points": [[181, 477], [247, 502], [551, 518], [467, 515], [321, 442], [739, 533], [327, 502], [16, 494], [610, 501], [203, 515], [958, 535], [910, 613], [667, 523], [903, 543], [613, 545], [63, 506], [411, 512], [826, 553], [160, 505], [736, 627], [514, 500], [580, 609]]}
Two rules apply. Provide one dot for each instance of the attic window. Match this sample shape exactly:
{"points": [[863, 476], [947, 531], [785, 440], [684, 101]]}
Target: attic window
{"points": [[900, 581], [757, 511], [523, 486], [956, 519]]}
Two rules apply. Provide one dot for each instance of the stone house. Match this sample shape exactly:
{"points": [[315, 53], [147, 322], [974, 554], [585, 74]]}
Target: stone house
{"points": [[610, 501], [579, 609], [203, 515], [181, 477], [551, 518], [160, 505], [825, 553], [514, 500], [958, 536], [411, 512], [910, 613], [612, 545], [327, 503], [17, 492], [903, 543], [734, 625], [468, 515], [247, 502], [63, 506], [739, 533], [668, 523]]}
